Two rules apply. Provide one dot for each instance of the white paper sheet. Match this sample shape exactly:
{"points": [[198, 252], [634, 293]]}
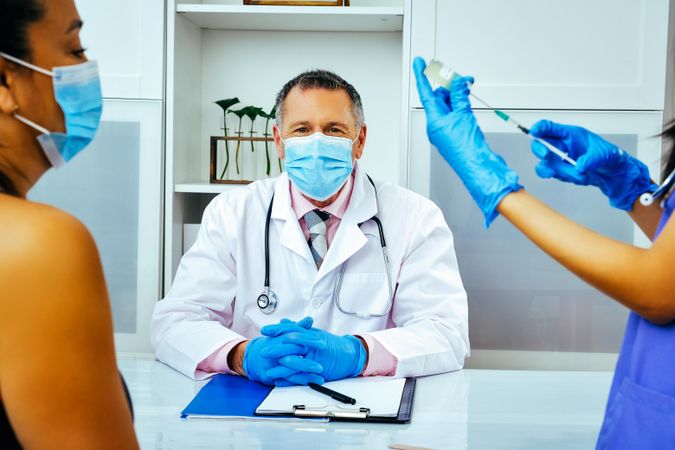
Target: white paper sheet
{"points": [[382, 395]]}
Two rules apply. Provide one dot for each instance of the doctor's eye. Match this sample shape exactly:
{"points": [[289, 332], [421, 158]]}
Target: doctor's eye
{"points": [[335, 130], [301, 130], [80, 53]]}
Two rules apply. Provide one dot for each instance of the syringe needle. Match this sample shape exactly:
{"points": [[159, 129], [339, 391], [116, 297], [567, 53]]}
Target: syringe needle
{"points": [[506, 118]]}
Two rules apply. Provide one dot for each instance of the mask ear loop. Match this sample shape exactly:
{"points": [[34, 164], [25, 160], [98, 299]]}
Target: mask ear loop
{"points": [[27, 65], [15, 110], [30, 123]]}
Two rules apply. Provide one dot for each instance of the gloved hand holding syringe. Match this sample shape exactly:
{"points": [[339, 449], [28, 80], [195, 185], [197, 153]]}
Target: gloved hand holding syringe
{"points": [[443, 76]]}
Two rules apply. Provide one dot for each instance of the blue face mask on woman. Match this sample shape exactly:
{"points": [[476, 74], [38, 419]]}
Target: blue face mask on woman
{"points": [[77, 90], [318, 165]]}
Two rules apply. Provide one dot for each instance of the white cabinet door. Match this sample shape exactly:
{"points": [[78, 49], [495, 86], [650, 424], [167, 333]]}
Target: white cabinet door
{"points": [[553, 54], [519, 298], [126, 37], [114, 188]]}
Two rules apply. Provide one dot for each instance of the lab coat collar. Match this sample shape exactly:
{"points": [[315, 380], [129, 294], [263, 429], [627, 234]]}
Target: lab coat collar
{"points": [[349, 238], [362, 204], [290, 233]]}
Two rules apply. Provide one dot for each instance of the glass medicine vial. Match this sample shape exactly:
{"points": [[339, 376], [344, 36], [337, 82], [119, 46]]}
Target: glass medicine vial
{"points": [[440, 74]]}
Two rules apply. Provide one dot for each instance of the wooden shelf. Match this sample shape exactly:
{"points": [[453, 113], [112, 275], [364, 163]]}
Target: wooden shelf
{"points": [[293, 18], [204, 187]]}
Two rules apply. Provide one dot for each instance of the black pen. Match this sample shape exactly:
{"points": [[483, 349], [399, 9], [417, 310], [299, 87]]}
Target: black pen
{"points": [[333, 394]]}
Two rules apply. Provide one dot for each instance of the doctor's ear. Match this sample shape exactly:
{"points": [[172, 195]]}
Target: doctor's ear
{"points": [[360, 143], [276, 131]]}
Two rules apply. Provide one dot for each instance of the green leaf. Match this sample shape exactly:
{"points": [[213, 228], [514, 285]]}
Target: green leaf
{"points": [[271, 115], [252, 112], [227, 103], [239, 112]]}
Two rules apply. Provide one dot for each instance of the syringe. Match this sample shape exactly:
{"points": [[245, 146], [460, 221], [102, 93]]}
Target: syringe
{"points": [[443, 76], [508, 119]]}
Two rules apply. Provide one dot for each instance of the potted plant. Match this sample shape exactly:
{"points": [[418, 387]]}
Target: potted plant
{"points": [[269, 116], [226, 104], [240, 115]]}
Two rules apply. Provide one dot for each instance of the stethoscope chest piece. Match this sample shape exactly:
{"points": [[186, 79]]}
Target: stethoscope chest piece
{"points": [[663, 191], [268, 301]]}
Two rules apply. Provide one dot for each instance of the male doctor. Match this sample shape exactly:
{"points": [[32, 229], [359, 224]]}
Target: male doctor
{"points": [[326, 263]]}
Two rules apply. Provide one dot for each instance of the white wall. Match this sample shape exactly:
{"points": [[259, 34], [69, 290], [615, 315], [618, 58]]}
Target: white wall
{"points": [[233, 65]]}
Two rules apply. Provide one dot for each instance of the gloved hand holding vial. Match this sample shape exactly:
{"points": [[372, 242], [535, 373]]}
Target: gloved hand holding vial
{"points": [[568, 153]]}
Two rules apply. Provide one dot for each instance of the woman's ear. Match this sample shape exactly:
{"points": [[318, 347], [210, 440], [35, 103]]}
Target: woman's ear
{"points": [[8, 104]]}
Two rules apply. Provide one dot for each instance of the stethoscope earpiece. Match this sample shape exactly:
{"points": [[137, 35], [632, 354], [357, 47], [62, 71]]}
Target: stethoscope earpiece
{"points": [[646, 199]]}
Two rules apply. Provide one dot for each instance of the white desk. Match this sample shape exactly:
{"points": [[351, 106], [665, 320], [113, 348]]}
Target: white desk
{"points": [[470, 409]]}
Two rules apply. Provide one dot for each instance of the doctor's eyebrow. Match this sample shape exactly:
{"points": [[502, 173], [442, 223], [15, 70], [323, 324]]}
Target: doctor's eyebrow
{"points": [[303, 123], [306, 123], [336, 124], [76, 24]]}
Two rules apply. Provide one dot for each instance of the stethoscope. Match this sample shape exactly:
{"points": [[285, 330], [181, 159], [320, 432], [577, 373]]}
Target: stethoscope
{"points": [[268, 301], [647, 199]]}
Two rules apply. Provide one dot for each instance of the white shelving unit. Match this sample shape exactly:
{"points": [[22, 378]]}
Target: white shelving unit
{"points": [[204, 188], [293, 18], [217, 49], [607, 76]]}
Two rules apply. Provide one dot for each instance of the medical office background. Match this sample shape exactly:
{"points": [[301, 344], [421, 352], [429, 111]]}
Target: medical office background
{"points": [[602, 64]]}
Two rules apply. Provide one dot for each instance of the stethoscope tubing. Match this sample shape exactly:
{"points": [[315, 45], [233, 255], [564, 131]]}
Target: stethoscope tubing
{"points": [[647, 199], [385, 256], [267, 243], [269, 298]]}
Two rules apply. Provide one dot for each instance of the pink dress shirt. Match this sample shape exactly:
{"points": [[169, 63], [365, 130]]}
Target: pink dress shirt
{"points": [[380, 361]]}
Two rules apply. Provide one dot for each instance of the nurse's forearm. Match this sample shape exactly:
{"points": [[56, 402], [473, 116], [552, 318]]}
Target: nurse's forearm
{"points": [[639, 279]]}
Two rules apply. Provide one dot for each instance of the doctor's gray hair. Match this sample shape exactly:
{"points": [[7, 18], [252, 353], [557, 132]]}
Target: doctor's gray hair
{"points": [[320, 79]]}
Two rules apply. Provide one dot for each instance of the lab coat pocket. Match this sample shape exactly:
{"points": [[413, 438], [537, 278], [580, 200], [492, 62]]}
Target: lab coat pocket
{"points": [[364, 295], [639, 418]]}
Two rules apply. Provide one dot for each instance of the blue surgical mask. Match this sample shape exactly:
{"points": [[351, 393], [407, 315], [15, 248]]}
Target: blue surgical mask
{"points": [[77, 90], [318, 165]]}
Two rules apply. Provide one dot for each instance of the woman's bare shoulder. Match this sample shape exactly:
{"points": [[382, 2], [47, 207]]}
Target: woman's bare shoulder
{"points": [[29, 229], [47, 255]]}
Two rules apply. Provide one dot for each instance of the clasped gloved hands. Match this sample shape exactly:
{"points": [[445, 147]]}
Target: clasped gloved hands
{"points": [[261, 361], [453, 130], [338, 356], [619, 176]]}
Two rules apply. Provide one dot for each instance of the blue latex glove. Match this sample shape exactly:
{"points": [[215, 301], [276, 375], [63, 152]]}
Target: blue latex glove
{"points": [[619, 176], [267, 369], [452, 129], [339, 356]]}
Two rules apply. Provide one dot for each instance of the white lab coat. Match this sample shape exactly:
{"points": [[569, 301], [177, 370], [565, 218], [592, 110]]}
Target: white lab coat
{"points": [[213, 297]]}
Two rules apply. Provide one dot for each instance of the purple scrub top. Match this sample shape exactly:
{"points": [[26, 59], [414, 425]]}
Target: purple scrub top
{"points": [[641, 407]]}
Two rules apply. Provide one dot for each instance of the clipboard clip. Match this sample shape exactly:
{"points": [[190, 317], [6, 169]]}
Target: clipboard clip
{"points": [[302, 411]]}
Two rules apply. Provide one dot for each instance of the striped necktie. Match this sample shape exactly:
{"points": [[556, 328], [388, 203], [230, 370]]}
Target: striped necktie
{"points": [[317, 222]]}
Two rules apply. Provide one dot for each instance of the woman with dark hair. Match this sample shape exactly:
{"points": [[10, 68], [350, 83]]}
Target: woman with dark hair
{"points": [[641, 408], [59, 384]]}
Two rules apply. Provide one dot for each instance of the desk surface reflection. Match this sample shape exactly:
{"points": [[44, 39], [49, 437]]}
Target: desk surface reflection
{"points": [[470, 409]]}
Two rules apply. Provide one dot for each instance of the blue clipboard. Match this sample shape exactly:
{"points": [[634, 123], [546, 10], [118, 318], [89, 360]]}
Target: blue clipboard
{"points": [[227, 396]]}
